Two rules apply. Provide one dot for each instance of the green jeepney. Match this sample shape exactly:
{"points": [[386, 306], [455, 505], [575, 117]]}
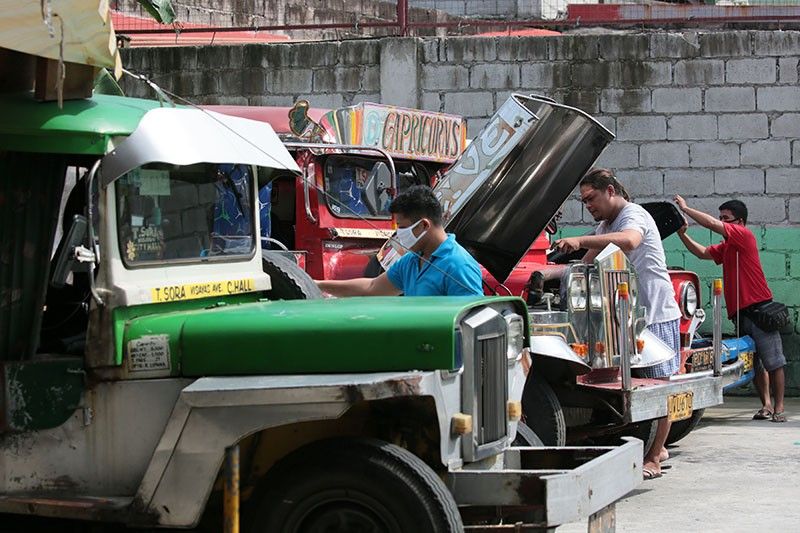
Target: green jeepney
{"points": [[142, 349]]}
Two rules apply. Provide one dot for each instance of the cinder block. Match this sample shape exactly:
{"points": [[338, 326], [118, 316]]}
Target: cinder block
{"points": [[786, 125], [714, 154], [794, 259], [664, 155], [794, 210], [624, 46], [641, 128], [779, 98], [610, 123], [678, 45], [254, 81], [521, 49], [796, 152], [778, 238], [689, 182], [400, 66], [494, 76], [330, 101], [574, 213], [766, 153], [783, 180], [739, 180], [472, 104], [371, 79], [699, 72], [572, 47], [725, 44], [283, 100], [774, 264], [323, 81], [635, 74], [586, 100], [619, 155], [788, 69], [431, 102], [357, 52], [642, 183], [365, 97], [692, 127], [749, 126], [431, 50], [290, 81], [348, 79], [763, 209], [745, 71], [545, 75], [730, 99], [474, 126], [448, 77], [776, 43], [230, 84], [684, 100], [625, 101], [312, 54], [469, 49]]}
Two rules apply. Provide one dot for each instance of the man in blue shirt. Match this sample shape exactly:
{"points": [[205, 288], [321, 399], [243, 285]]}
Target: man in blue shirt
{"points": [[433, 264]]}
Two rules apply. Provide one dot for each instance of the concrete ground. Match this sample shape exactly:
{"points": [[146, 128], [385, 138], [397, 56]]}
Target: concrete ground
{"points": [[730, 474]]}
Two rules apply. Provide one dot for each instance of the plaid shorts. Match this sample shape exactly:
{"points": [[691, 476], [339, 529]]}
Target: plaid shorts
{"points": [[670, 333]]}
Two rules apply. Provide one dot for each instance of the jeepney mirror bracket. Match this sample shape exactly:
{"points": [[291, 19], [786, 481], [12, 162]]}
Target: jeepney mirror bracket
{"points": [[71, 253], [90, 231]]}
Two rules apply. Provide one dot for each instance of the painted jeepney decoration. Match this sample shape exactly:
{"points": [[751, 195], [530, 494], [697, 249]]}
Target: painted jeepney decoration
{"points": [[401, 132]]}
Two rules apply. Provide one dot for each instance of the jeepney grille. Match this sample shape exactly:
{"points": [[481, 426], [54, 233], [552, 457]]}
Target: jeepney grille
{"points": [[492, 389], [613, 278]]}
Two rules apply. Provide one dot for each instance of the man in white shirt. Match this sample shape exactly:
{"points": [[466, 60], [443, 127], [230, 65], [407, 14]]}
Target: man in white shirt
{"points": [[633, 230]]}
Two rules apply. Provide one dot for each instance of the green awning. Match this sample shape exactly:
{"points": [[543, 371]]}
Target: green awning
{"points": [[84, 127]]}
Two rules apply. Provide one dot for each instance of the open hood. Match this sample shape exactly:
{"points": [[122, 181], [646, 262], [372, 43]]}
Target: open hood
{"points": [[504, 189]]}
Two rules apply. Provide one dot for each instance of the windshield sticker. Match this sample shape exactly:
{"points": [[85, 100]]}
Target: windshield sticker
{"points": [[147, 243], [192, 291], [150, 352], [154, 182]]}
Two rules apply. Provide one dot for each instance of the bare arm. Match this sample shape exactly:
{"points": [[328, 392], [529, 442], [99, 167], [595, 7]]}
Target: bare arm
{"points": [[626, 240], [697, 249], [704, 219], [380, 286]]}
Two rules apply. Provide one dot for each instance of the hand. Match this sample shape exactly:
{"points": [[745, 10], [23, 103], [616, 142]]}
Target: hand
{"points": [[681, 202], [682, 229], [569, 244]]}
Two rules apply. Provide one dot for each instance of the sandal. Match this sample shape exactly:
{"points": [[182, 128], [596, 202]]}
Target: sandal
{"points": [[763, 414], [648, 474], [779, 417]]}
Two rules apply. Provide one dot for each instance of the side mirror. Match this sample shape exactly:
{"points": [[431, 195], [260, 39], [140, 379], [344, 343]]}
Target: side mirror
{"points": [[378, 182], [66, 261]]}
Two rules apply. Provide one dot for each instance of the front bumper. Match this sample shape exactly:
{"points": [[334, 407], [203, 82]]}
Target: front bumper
{"points": [[551, 486]]}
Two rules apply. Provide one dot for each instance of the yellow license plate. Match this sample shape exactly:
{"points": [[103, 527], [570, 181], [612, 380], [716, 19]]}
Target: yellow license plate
{"points": [[679, 406], [747, 357]]}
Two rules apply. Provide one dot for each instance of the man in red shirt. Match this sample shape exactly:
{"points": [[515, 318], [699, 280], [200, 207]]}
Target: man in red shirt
{"points": [[744, 285]]}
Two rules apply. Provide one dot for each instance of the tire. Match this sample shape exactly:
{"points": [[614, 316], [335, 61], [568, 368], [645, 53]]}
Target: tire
{"points": [[543, 413], [289, 281], [526, 436], [681, 428], [645, 431], [343, 485]]}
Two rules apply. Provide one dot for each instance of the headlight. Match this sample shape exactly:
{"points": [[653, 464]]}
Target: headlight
{"points": [[577, 292], [516, 334], [688, 299], [595, 297]]}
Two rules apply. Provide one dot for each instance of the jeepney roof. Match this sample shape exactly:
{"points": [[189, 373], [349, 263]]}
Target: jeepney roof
{"points": [[84, 127], [277, 117]]}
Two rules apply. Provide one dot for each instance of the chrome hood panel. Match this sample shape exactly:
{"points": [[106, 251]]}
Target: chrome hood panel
{"points": [[504, 189]]}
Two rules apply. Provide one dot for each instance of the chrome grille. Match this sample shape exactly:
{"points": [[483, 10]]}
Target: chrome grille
{"points": [[612, 280], [491, 384]]}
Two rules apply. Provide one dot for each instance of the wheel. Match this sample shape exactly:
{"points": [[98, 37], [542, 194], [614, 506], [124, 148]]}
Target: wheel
{"points": [[289, 281], [526, 436], [345, 485], [543, 413], [681, 428]]}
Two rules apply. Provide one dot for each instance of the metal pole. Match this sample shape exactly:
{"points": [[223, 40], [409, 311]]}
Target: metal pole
{"points": [[402, 16], [716, 299], [231, 496], [624, 337]]}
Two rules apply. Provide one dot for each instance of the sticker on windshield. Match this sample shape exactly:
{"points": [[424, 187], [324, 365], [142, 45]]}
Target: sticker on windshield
{"points": [[192, 291], [150, 352], [154, 182]]}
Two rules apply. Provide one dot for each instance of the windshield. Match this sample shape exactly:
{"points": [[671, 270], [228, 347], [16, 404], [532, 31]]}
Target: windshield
{"points": [[196, 212], [359, 187]]}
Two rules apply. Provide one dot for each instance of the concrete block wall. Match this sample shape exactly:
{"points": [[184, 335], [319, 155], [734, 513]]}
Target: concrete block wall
{"points": [[708, 115]]}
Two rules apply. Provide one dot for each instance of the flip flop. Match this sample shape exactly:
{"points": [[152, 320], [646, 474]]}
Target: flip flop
{"points": [[779, 417], [762, 414], [648, 474]]}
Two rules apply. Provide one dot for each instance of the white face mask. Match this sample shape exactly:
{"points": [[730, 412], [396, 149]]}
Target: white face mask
{"points": [[404, 238]]}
